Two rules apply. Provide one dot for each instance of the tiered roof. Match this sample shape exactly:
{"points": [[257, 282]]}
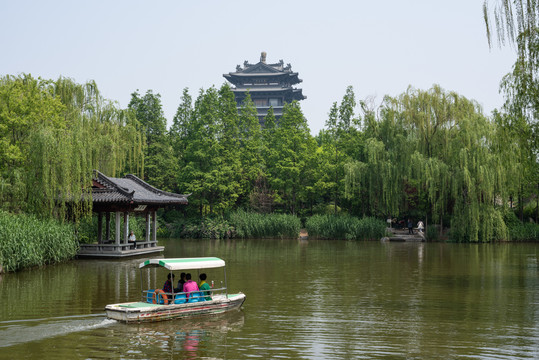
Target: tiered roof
{"points": [[131, 190], [263, 77]]}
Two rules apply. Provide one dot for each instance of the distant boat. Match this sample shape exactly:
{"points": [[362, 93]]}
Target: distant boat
{"points": [[156, 305]]}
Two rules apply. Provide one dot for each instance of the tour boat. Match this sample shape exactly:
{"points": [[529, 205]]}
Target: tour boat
{"points": [[156, 305]]}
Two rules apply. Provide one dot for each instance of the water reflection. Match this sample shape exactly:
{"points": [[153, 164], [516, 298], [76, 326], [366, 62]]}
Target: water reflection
{"points": [[186, 338], [305, 299]]}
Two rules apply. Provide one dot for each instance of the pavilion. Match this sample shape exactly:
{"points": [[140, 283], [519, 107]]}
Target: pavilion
{"points": [[121, 197]]}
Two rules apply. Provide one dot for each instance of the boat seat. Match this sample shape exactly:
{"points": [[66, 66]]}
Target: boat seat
{"points": [[149, 296], [195, 296], [180, 299]]}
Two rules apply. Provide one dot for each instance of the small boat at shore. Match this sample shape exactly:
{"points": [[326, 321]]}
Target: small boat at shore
{"points": [[156, 305]]}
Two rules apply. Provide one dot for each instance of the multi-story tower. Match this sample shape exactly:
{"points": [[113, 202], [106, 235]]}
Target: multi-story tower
{"points": [[270, 85]]}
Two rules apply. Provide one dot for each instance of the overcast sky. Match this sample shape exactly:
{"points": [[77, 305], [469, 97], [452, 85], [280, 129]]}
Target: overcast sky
{"points": [[378, 47]]}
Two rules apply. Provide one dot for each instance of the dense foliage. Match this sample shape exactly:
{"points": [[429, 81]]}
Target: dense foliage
{"points": [[425, 154], [52, 135], [27, 241]]}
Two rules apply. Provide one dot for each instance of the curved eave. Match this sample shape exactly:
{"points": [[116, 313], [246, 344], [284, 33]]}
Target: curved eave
{"points": [[239, 78]]}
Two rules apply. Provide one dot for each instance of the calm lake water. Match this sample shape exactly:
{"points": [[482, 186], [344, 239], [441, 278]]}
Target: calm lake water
{"points": [[305, 300]]}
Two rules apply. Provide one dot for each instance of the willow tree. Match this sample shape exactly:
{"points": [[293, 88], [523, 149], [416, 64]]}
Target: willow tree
{"points": [[517, 23], [511, 19], [519, 117], [378, 178], [56, 134], [431, 153]]}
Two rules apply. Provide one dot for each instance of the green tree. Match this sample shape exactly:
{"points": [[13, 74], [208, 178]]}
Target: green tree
{"points": [[343, 141], [160, 166], [520, 119], [53, 135], [293, 146], [180, 130], [432, 153], [251, 148]]}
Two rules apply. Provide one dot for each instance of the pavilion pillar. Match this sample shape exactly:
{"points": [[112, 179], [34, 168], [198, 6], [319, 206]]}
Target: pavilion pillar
{"points": [[154, 223], [100, 228], [118, 228], [148, 227], [107, 227], [126, 227]]}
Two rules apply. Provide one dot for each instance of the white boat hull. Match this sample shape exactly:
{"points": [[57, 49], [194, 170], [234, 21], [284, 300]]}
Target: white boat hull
{"points": [[146, 312]]}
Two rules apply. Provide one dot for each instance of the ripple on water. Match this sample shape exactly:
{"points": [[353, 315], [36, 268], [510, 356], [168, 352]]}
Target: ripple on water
{"points": [[24, 331]]}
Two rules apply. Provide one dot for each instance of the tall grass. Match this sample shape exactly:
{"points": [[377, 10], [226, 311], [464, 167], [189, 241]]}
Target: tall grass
{"points": [[254, 225], [345, 227], [26, 241]]}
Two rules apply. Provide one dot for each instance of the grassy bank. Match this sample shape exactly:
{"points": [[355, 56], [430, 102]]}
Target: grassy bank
{"points": [[26, 241]]}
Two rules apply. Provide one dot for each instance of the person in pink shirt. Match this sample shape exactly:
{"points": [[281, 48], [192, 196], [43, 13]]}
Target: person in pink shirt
{"points": [[189, 285]]}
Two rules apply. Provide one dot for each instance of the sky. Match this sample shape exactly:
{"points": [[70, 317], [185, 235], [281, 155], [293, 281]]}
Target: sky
{"points": [[378, 47]]}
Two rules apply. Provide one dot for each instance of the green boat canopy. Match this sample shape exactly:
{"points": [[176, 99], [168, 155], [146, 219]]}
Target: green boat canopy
{"points": [[185, 263]]}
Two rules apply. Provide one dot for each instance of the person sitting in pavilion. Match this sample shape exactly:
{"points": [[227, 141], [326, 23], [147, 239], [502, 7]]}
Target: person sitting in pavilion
{"points": [[132, 239], [204, 287]]}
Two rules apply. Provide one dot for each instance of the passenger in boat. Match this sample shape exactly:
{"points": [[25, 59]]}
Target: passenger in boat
{"points": [[132, 239], [167, 288], [189, 285], [204, 287], [180, 283]]}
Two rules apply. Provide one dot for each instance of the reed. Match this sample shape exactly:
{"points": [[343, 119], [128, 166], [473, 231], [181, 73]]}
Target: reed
{"points": [[205, 228], [254, 225], [27, 241], [345, 227]]}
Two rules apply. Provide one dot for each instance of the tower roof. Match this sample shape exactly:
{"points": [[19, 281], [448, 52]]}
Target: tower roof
{"points": [[277, 72]]}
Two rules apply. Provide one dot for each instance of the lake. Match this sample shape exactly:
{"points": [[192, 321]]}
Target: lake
{"points": [[305, 300]]}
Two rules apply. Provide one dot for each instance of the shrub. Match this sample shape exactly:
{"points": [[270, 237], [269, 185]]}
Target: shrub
{"points": [[524, 232], [432, 233]]}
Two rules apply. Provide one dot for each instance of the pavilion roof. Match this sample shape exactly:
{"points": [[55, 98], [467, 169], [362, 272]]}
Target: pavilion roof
{"points": [[131, 189]]}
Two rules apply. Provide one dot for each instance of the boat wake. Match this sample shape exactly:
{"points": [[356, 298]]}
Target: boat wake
{"points": [[15, 332]]}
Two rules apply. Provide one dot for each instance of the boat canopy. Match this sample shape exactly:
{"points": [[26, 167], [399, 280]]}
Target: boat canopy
{"points": [[184, 263]]}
